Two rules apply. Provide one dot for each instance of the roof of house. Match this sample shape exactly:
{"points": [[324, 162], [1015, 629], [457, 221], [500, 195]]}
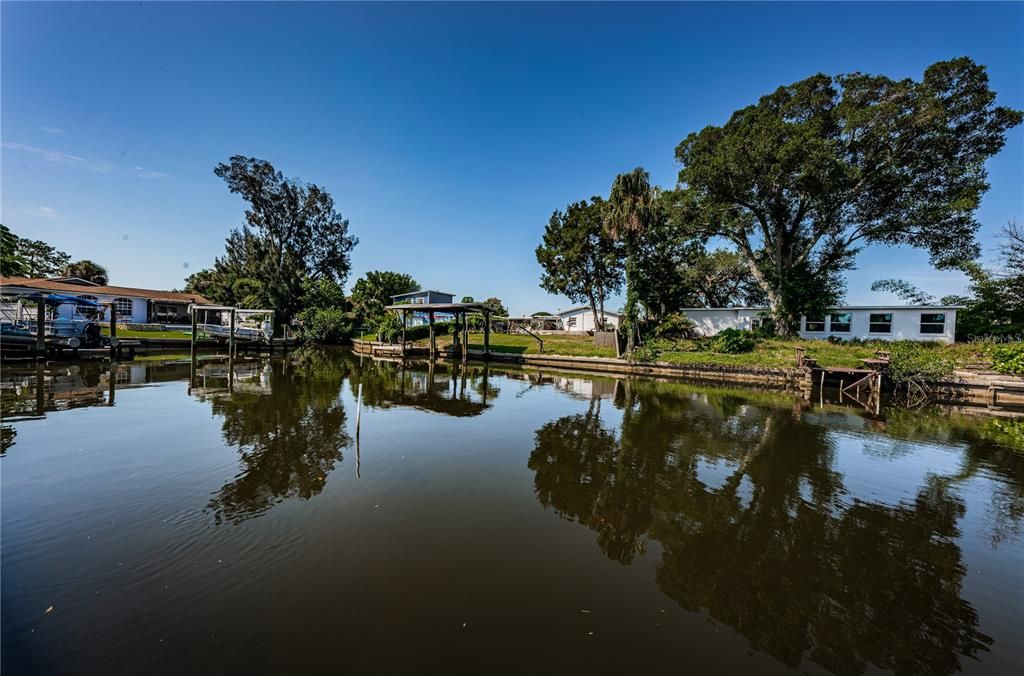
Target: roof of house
{"points": [[79, 289], [423, 291], [584, 307]]}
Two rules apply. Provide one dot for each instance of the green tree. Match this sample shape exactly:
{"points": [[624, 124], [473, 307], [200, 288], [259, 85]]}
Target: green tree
{"points": [[11, 264], [373, 291], [633, 208], [579, 258], [721, 278], [37, 258], [292, 234], [904, 290], [87, 270], [813, 171], [496, 307]]}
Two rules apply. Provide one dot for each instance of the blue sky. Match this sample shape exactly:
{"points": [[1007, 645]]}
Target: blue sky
{"points": [[447, 134]]}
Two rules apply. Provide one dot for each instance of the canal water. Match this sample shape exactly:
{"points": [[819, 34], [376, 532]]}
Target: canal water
{"points": [[493, 520]]}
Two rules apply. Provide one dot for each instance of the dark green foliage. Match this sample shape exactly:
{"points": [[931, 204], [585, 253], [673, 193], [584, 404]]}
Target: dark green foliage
{"points": [[733, 341], [580, 259], [373, 291], [87, 270], [633, 208], [325, 326], [918, 363], [11, 264], [675, 326], [815, 170], [1008, 358], [29, 257], [292, 235], [721, 278]]}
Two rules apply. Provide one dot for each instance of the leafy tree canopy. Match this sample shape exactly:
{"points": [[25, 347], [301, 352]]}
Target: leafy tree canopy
{"points": [[373, 291], [579, 258], [292, 234], [813, 171], [30, 257]]}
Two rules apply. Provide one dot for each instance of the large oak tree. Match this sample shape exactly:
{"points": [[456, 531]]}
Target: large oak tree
{"points": [[804, 178]]}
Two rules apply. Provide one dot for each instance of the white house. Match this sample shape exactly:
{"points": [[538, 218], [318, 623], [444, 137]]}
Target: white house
{"points": [[582, 319], [135, 306], [882, 322]]}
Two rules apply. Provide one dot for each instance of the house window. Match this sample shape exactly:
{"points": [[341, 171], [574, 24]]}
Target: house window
{"points": [[840, 323], [933, 322], [165, 313], [124, 307], [815, 324], [755, 323], [880, 322], [420, 300], [571, 322]]}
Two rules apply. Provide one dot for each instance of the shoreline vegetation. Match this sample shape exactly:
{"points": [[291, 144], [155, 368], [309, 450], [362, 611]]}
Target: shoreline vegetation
{"points": [[767, 353]]}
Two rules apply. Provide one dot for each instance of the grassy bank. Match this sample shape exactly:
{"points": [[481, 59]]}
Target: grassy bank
{"points": [[134, 333], [773, 352]]}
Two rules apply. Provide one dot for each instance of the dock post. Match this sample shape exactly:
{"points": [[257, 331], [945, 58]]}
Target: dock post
{"points": [[40, 391], [405, 317], [41, 326], [231, 334], [195, 325], [433, 338], [487, 333], [113, 331], [465, 337]]}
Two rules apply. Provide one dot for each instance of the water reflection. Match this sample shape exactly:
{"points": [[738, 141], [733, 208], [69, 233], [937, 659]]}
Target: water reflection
{"points": [[449, 389], [770, 542], [289, 426]]}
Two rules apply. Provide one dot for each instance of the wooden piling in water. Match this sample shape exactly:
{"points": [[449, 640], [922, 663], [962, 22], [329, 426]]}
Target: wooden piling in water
{"points": [[231, 335], [41, 326]]}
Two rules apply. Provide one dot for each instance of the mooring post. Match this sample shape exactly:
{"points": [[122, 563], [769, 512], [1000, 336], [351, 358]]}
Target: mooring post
{"points": [[433, 342], [195, 328], [231, 334], [465, 337], [405, 317], [40, 391], [487, 333], [113, 331], [41, 326]]}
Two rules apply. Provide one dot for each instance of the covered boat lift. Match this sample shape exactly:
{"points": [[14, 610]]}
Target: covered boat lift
{"points": [[458, 310]]}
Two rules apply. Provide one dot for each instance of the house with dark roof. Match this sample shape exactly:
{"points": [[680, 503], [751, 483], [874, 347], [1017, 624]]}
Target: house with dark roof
{"points": [[424, 297], [133, 305]]}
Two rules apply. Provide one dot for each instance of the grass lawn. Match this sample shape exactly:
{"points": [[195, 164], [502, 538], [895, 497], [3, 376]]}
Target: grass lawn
{"points": [[129, 333], [773, 352]]}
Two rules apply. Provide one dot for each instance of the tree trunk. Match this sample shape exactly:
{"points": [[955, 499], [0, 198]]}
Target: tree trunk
{"points": [[631, 302], [598, 319]]}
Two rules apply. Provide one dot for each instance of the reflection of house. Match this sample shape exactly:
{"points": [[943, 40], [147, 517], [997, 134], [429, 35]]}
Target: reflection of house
{"points": [[136, 306], [422, 298], [582, 319], [923, 322]]}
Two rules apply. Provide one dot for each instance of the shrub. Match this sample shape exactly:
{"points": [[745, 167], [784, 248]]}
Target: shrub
{"points": [[1008, 358], [918, 362], [733, 341], [676, 326], [324, 325]]}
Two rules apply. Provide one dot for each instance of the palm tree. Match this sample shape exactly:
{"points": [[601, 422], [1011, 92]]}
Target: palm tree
{"points": [[632, 209], [87, 270]]}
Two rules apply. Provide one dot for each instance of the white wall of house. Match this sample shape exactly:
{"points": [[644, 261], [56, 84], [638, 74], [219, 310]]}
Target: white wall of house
{"points": [[710, 321], [891, 323], [139, 308], [582, 319]]}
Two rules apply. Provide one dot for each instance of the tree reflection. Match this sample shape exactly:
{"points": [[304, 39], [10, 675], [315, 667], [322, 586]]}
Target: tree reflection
{"points": [[775, 548], [290, 437]]}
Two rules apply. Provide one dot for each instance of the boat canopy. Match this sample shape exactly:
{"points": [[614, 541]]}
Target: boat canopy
{"points": [[57, 299]]}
